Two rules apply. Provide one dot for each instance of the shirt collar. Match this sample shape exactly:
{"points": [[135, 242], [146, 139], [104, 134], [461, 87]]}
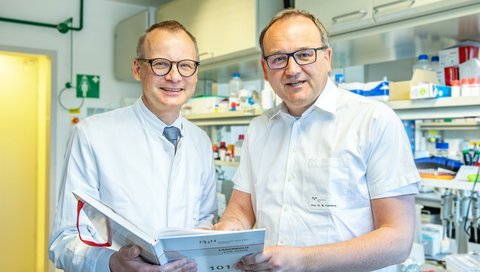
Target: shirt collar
{"points": [[153, 121], [326, 101]]}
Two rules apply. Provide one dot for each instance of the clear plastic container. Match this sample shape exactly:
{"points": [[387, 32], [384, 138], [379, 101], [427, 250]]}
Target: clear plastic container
{"points": [[441, 149], [422, 63], [243, 96], [456, 89], [238, 147], [435, 66], [235, 84]]}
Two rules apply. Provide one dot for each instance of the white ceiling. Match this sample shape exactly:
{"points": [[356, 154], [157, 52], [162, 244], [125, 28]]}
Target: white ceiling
{"points": [[147, 3]]}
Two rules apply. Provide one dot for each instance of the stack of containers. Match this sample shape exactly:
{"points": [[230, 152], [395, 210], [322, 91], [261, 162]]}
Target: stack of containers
{"points": [[460, 66]]}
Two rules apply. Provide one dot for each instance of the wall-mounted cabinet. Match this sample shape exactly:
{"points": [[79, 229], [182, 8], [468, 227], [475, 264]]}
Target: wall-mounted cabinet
{"points": [[394, 30], [363, 14], [225, 30], [385, 11], [340, 18], [125, 43]]}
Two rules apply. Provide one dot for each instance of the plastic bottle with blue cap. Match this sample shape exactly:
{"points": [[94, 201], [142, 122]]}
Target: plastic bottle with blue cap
{"points": [[422, 63], [235, 84]]}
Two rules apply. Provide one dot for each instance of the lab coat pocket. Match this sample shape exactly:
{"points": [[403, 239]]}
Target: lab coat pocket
{"points": [[327, 184]]}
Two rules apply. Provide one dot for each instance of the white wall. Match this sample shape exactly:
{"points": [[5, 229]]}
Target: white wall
{"points": [[93, 54]]}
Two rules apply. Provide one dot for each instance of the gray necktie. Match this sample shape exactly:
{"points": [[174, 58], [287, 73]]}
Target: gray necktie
{"points": [[172, 134]]}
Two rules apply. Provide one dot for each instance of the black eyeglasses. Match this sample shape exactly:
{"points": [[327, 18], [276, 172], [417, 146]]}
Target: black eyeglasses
{"points": [[161, 66], [301, 57]]}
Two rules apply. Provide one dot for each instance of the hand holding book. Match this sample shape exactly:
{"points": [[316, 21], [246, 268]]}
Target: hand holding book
{"points": [[211, 250], [128, 259]]}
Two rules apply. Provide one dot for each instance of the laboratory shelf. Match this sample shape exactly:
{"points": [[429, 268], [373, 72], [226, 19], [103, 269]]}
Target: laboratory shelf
{"points": [[437, 108], [450, 184], [226, 163], [432, 199], [223, 118], [460, 124]]}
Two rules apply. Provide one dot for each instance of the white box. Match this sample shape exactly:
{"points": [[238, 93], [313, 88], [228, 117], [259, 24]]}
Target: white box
{"points": [[432, 238], [424, 84]]}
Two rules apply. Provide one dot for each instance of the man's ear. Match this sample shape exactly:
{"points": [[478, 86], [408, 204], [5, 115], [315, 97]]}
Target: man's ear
{"points": [[328, 57], [264, 68], [136, 69]]}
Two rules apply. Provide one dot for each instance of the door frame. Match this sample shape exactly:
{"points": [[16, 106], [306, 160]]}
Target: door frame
{"points": [[51, 189]]}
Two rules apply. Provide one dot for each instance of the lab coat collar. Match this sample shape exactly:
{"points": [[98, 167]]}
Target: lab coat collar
{"points": [[153, 121]]}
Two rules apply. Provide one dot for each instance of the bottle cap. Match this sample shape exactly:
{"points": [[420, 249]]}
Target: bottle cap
{"points": [[241, 136], [441, 145], [435, 58], [236, 75], [423, 57], [339, 78], [455, 82]]}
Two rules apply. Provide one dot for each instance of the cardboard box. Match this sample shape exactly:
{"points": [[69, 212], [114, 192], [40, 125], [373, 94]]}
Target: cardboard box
{"points": [[399, 90]]}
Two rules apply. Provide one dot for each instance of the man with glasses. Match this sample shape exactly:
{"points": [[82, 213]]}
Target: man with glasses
{"points": [[328, 173], [152, 166]]}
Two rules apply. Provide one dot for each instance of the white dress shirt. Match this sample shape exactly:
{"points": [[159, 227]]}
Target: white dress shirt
{"points": [[312, 178], [122, 158]]}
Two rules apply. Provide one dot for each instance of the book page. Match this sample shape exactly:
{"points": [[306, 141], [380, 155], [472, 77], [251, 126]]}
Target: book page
{"points": [[211, 250], [214, 250]]}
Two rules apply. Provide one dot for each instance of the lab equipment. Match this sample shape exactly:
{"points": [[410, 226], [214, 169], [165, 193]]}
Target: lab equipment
{"points": [[447, 214], [471, 157], [461, 235]]}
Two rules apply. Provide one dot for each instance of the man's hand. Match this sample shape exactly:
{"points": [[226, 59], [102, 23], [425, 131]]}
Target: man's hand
{"points": [[128, 259], [229, 224], [275, 258]]}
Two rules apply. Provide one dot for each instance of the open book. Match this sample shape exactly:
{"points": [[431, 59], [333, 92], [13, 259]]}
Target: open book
{"points": [[211, 250]]}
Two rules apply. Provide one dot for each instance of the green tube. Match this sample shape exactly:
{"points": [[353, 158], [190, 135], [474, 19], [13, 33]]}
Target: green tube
{"points": [[62, 27], [27, 22]]}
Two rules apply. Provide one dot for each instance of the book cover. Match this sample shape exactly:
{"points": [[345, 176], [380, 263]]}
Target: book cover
{"points": [[211, 250]]}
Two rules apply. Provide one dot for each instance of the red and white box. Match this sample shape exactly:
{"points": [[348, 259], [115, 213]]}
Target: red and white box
{"points": [[454, 56]]}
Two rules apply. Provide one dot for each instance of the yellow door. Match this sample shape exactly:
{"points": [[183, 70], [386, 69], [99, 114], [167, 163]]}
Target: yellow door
{"points": [[25, 84]]}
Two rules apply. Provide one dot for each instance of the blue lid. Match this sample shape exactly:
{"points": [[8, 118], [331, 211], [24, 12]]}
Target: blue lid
{"points": [[435, 58], [339, 78], [236, 75], [423, 57], [441, 145]]}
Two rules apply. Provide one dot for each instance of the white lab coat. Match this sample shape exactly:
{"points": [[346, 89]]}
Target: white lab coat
{"points": [[122, 158]]}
